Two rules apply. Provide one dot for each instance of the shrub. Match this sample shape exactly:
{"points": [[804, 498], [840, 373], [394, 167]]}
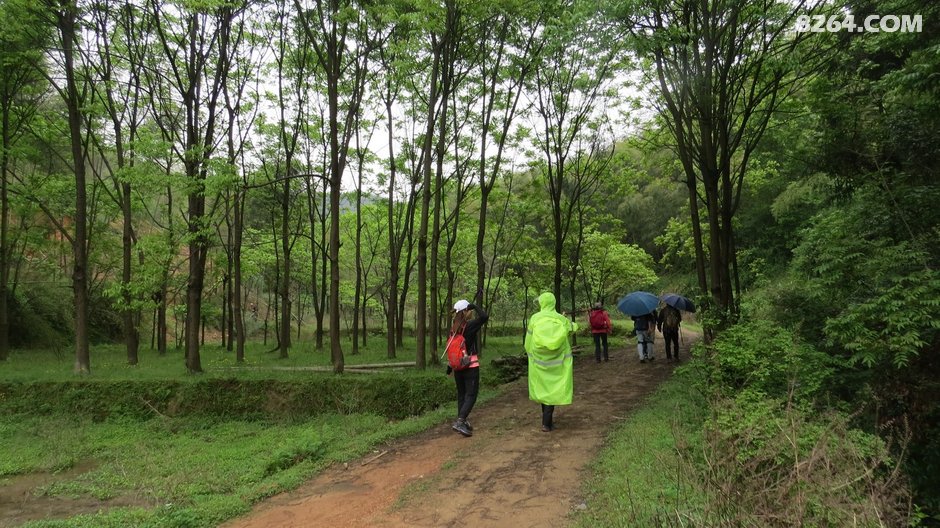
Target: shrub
{"points": [[382, 394], [761, 358], [767, 465]]}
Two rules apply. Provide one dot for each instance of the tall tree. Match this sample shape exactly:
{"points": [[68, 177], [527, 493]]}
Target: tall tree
{"points": [[120, 34], [331, 27], [438, 41], [292, 52], [721, 70], [510, 45], [578, 64], [20, 91], [196, 45], [238, 99], [74, 93]]}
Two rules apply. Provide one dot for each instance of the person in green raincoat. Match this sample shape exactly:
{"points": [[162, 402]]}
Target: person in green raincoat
{"points": [[551, 379]]}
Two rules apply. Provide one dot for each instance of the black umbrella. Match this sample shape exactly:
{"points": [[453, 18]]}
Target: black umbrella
{"points": [[679, 302]]}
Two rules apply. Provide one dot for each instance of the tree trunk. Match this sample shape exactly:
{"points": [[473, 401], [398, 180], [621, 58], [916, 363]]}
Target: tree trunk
{"points": [[4, 230], [66, 16], [421, 316], [391, 312], [285, 326], [237, 310]]}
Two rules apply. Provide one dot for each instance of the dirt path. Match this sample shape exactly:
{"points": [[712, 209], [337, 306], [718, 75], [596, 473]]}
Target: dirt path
{"points": [[508, 474]]}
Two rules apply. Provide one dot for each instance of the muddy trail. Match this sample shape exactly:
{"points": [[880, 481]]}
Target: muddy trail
{"points": [[509, 473]]}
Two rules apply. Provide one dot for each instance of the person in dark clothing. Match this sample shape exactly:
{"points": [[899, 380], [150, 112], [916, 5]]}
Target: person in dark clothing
{"points": [[599, 321], [668, 323], [468, 379]]}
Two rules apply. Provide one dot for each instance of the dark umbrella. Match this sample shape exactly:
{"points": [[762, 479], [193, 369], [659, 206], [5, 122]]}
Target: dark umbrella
{"points": [[638, 303], [679, 302]]}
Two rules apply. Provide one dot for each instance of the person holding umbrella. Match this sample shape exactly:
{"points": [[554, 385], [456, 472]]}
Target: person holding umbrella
{"points": [[641, 307], [669, 320]]}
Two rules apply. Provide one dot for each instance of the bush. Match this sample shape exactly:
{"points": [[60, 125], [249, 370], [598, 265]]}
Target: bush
{"points": [[41, 315], [761, 358], [385, 395], [768, 463], [772, 457]]}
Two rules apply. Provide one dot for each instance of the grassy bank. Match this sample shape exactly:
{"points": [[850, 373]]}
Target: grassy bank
{"points": [[639, 479], [185, 472], [196, 469]]}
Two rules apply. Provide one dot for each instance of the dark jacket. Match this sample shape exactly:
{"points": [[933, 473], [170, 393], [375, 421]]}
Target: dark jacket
{"points": [[669, 320], [644, 322], [473, 328]]}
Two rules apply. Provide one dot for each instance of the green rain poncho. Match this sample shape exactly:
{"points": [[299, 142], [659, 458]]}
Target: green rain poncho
{"points": [[550, 362]]}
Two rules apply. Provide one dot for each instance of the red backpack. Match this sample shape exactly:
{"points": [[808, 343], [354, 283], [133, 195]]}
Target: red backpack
{"points": [[456, 351], [598, 321]]}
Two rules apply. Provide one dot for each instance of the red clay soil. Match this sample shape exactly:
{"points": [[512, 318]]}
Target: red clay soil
{"points": [[508, 474]]}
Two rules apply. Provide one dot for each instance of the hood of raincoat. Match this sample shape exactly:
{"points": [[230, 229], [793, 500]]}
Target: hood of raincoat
{"points": [[546, 301]]}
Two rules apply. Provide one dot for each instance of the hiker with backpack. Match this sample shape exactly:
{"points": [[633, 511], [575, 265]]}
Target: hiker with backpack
{"points": [[551, 372], [599, 321], [668, 323], [463, 360], [645, 328]]}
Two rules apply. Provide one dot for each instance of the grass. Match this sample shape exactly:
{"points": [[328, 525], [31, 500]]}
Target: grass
{"points": [[109, 362], [639, 478], [188, 472], [192, 471]]}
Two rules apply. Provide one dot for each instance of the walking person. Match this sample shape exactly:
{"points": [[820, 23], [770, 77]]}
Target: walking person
{"points": [[467, 379], [551, 372], [668, 323], [599, 320], [645, 327]]}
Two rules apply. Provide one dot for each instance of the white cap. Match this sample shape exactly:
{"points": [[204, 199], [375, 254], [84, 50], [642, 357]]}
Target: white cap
{"points": [[461, 305]]}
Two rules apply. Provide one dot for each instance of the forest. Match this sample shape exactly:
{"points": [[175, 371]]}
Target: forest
{"points": [[194, 191]]}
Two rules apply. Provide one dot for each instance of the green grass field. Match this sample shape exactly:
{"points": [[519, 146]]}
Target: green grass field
{"points": [[192, 471], [109, 362]]}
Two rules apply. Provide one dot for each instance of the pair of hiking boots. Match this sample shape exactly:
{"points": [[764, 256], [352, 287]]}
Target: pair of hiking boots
{"points": [[463, 427]]}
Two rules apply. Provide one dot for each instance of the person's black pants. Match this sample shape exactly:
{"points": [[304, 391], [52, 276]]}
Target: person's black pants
{"points": [[672, 342], [600, 338], [468, 385], [547, 411]]}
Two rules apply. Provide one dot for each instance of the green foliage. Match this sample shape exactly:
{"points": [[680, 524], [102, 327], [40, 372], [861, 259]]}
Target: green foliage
{"points": [[883, 293], [610, 267], [41, 315], [677, 245], [758, 359], [291, 455], [771, 463]]}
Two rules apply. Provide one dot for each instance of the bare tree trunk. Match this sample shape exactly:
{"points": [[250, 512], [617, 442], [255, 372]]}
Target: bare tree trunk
{"points": [[4, 229], [394, 249], [421, 316], [65, 19]]}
